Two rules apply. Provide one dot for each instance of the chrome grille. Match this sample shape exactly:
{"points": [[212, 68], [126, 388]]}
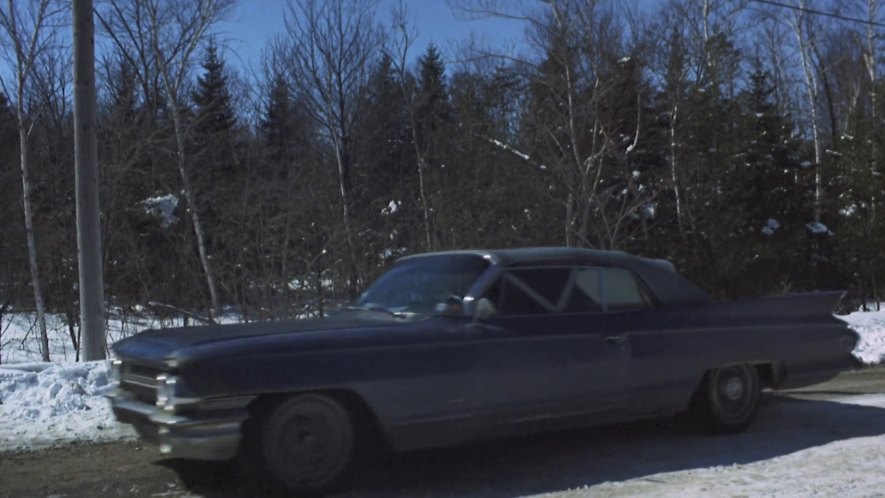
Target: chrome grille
{"points": [[140, 381]]}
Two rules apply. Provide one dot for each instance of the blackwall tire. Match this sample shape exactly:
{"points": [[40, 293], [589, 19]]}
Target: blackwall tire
{"points": [[308, 444], [728, 399]]}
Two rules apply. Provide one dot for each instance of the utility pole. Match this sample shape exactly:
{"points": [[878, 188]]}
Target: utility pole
{"points": [[92, 342]]}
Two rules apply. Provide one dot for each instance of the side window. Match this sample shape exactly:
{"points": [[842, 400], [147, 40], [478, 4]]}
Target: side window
{"points": [[547, 282], [623, 291], [516, 301], [529, 291], [586, 292], [536, 291]]}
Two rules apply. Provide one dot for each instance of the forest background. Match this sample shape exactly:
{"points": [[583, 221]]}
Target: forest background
{"points": [[740, 139]]}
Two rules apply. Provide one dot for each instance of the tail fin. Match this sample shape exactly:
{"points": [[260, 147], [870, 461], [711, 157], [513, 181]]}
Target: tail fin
{"points": [[808, 303], [792, 306]]}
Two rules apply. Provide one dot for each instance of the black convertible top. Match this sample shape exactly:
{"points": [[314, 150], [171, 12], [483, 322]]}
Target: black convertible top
{"points": [[669, 287]]}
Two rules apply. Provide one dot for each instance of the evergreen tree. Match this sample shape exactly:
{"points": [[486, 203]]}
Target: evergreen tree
{"points": [[498, 194], [705, 148], [432, 107], [214, 114], [387, 174], [766, 202], [219, 180], [13, 255], [860, 205], [284, 131]]}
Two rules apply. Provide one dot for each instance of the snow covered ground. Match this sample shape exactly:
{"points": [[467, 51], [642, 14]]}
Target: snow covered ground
{"points": [[53, 404], [871, 327], [50, 404], [46, 405], [797, 448]]}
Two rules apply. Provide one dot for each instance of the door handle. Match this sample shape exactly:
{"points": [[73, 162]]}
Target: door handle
{"points": [[615, 339]]}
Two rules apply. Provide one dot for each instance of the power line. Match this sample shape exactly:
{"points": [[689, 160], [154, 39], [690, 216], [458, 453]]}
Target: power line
{"points": [[820, 12]]}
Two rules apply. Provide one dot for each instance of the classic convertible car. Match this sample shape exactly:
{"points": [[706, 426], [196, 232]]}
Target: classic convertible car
{"points": [[452, 347]]}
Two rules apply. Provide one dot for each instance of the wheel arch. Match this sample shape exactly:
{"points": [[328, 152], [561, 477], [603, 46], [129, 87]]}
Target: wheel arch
{"points": [[364, 418], [770, 373]]}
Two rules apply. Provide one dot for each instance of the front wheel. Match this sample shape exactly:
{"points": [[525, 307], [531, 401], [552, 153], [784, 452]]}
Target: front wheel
{"points": [[727, 398], [308, 444]]}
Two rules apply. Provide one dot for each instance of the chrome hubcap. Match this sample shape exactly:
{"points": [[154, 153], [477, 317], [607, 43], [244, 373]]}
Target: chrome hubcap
{"points": [[734, 388]]}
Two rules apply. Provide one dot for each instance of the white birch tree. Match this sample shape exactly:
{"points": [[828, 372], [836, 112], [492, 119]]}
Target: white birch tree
{"points": [[29, 29]]}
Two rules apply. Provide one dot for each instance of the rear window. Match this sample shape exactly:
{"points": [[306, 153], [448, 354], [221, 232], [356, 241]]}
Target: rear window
{"points": [[586, 293], [623, 291]]}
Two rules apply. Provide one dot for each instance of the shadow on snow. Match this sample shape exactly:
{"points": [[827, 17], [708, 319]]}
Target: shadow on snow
{"points": [[555, 462]]}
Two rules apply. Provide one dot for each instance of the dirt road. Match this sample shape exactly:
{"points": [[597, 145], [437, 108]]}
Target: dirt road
{"points": [[623, 460]]}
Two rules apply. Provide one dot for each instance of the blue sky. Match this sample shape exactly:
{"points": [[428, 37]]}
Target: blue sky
{"points": [[254, 22]]}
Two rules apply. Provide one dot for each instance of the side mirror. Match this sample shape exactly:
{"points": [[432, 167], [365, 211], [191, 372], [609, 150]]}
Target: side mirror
{"points": [[484, 309], [453, 305]]}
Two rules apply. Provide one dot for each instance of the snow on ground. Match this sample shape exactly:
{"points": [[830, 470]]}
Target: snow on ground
{"points": [[54, 404], [797, 448], [49, 404], [871, 327]]}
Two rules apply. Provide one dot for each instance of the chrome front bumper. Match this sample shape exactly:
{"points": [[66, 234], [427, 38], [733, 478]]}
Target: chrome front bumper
{"points": [[209, 429]]}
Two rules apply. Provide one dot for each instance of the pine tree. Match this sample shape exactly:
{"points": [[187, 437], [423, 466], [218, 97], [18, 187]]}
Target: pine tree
{"points": [[433, 108], [214, 114], [12, 250], [388, 175], [858, 178], [284, 131], [704, 149], [219, 180], [766, 201]]}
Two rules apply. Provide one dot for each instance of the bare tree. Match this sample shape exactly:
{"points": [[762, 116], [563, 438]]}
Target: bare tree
{"points": [[580, 48], [160, 39], [330, 50], [400, 46], [30, 29]]}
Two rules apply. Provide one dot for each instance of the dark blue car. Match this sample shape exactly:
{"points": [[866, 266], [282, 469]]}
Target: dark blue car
{"points": [[458, 346]]}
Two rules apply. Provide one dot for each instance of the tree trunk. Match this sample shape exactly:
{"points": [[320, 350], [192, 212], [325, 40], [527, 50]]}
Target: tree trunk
{"points": [[673, 170], [3, 308], [871, 61], [29, 232], [192, 210], [422, 191], [811, 92], [344, 189]]}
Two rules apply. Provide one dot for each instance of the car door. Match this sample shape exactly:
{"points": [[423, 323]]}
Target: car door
{"points": [[543, 355], [628, 321]]}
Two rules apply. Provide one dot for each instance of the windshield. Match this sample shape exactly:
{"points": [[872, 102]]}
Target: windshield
{"points": [[425, 284]]}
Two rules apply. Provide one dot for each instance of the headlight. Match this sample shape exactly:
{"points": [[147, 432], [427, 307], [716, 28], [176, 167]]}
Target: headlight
{"points": [[115, 375], [166, 391]]}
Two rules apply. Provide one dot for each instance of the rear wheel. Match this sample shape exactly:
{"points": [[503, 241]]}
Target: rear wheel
{"points": [[728, 398], [307, 443]]}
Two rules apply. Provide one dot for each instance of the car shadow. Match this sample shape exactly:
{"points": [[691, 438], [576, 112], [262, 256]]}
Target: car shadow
{"points": [[559, 461]]}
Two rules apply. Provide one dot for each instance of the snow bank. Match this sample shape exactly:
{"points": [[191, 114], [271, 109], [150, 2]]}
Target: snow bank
{"points": [[44, 405], [870, 325]]}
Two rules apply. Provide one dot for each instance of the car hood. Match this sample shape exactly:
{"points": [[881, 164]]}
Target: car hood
{"points": [[157, 345]]}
